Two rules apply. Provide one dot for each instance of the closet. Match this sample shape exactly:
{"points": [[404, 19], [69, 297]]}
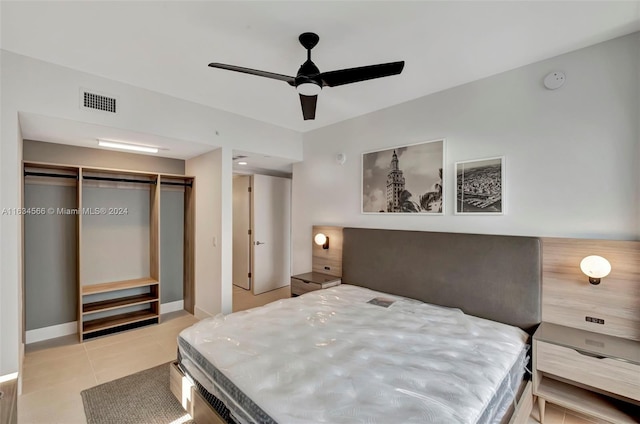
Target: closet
{"points": [[114, 241]]}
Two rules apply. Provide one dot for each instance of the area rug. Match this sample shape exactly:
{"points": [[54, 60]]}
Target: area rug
{"points": [[140, 398]]}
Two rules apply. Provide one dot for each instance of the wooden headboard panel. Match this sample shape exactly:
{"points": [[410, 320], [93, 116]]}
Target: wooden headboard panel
{"points": [[568, 298], [489, 276], [328, 261]]}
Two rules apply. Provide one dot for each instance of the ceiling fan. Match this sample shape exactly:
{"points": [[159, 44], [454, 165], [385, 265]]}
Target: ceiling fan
{"points": [[309, 81]]}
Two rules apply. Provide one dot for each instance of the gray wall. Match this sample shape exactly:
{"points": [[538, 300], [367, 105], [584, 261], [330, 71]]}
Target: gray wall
{"points": [[115, 247], [38, 151], [171, 246], [50, 278]]}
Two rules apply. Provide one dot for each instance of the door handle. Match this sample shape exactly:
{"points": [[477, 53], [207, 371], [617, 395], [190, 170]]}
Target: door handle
{"points": [[258, 243]]}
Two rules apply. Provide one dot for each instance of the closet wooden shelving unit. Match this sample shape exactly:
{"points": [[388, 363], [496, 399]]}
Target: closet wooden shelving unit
{"points": [[151, 298], [106, 307]]}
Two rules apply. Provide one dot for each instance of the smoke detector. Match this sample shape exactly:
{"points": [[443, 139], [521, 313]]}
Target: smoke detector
{"points": [[554, 80]]}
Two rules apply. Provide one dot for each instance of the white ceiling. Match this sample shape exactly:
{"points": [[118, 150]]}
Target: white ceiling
{"points": [[166, 46], [64, 131]]}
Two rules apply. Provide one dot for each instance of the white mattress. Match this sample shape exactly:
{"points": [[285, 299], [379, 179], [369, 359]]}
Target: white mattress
{"points": [[330, 356]]}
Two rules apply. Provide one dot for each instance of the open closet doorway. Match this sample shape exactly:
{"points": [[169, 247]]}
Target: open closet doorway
{"points": [[261, 239]]}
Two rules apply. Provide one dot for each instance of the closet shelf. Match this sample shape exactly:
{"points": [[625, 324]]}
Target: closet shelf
{"points": [[120, 299], [117, 320], [120, 302], [118, 285]]}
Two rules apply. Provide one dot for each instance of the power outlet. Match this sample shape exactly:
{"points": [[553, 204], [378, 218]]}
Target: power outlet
{"points": [[594, 320], [328, 268]]}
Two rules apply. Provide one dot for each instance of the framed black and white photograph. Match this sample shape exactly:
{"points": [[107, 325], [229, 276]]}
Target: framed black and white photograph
{"points": [[480, 187], [406, 179]]}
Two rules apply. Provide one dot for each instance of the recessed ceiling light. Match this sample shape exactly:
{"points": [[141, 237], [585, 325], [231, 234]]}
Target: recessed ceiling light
{"points": [[242, 163], [127, 146]]}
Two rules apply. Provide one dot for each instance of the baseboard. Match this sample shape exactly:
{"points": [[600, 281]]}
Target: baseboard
{"points": [[60, 330], [165, 308], [46, 333]]}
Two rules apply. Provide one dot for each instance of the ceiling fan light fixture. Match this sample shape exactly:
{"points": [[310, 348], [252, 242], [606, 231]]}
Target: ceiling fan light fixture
{"points": [[309, 89]]}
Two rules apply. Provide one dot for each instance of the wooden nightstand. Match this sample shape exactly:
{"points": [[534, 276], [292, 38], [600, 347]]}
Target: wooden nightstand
{"points": [[591, 373], [303, 283]]}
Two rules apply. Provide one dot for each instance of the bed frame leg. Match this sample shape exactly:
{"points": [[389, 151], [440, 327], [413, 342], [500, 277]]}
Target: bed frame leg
{"points": [[541, 405]]}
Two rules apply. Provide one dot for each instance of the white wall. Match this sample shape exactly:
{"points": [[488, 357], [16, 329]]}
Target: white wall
{"points": [[37, 87], [571, 154], [212, 262], [10, 238]]}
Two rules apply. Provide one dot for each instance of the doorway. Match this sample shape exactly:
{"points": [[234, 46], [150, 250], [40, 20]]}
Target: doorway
{"points": [[261, 238]]}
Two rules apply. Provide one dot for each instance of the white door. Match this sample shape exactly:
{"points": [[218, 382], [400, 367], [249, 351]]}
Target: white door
{"points": [[241, 231], [271, 227]]}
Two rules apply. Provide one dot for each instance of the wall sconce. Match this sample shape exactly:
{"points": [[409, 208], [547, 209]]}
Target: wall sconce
{"points": [[322, 240], [595, 267]]}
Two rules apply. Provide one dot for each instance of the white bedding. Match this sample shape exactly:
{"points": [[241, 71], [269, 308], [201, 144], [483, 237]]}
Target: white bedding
{"points": [[331, 357]]}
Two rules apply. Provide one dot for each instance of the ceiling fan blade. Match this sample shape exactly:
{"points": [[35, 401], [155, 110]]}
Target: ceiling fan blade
{"points": [[363, 73], [308, 106], [289, 80]]}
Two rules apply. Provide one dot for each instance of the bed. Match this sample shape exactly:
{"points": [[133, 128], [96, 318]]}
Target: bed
{"points": [[426, 327]]}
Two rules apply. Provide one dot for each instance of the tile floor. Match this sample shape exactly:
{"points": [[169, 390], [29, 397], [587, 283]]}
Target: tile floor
{"points": [[56, 371], [554, 414], [244, 299]]}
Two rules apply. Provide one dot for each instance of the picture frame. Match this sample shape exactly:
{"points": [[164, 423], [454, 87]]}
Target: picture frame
{"points": [[480, 186], [405, 179]]}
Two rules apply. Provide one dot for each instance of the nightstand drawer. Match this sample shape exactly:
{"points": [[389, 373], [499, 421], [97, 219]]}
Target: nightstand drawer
{"points": [[612, 375], [299, 287]]}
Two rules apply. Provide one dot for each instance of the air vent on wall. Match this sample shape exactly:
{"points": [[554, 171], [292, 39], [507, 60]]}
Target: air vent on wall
{"points": [[94, 101]]}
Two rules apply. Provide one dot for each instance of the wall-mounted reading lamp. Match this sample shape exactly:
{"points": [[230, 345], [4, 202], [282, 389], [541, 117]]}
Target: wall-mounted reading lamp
{"points": [[595, 267], [322, 240]]}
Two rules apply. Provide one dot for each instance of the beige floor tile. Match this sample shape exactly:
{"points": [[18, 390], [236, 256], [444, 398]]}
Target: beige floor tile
{"points": [[60, 403], [36, 355], [118, 359], [46, 364], [178, 318], [171, 329], [133, 366], [573, 417], [120, 348], [114, 374], [63, 411], [169, 341], [244, 299], [115, 338], [39, 378]]}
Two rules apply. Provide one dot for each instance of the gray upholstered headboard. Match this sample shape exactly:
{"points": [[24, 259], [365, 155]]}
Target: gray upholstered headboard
{"points": [[489, 276]]}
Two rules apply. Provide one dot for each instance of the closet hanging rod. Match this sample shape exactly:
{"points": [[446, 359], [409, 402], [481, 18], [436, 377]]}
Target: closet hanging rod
{"points": [[176, 184], [46, 174], [118, 180]]}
